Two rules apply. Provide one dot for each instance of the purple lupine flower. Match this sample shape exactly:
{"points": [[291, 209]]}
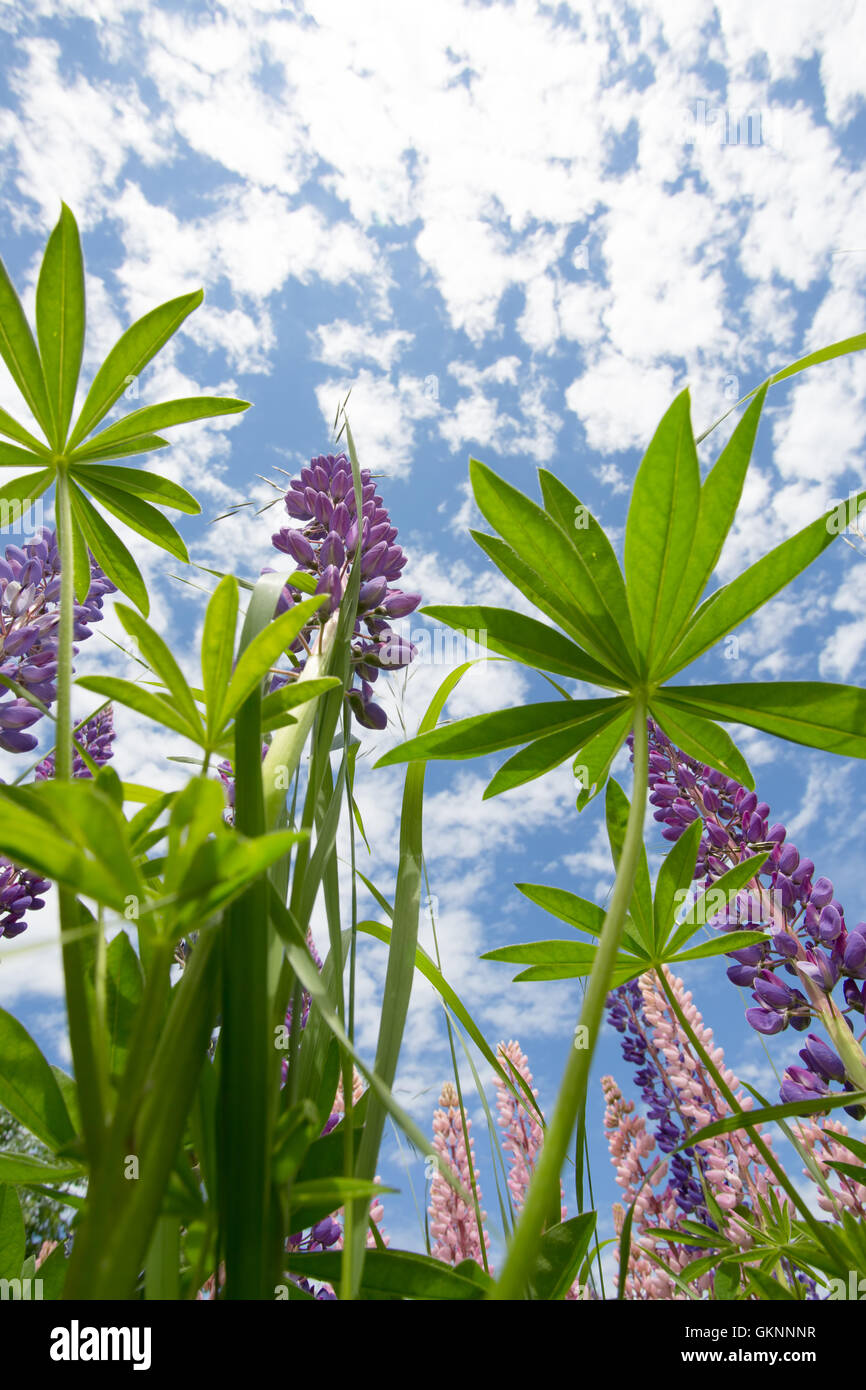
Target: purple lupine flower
{"points": [[20, 892], [96, 737], [323, 498], [807, 936], [29, 617]]}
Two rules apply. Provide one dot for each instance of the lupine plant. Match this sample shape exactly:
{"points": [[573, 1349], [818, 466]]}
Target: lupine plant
{"points": [[220, 1133]]}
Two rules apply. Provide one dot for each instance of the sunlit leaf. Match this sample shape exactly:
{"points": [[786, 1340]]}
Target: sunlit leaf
{"points": [[60, 319]]}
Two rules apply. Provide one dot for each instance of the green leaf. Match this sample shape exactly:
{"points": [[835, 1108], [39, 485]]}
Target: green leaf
{"points": [[701, 738], [488, 733], [818, 714], [218, 648], [60, 320], [719, 499], [160, 417], [13, 457], [398, 1274], [33, 841], [158, 657], [559, 1258], [731, 1123], [140, 516], [130, 354], [263, 652], [145, 702], [13, 430], [713, 900], [21, 355], [594, 550], [150, 486], [538, 540], [124, 991], [290, 696], [19, 491], [140, 444], [13, 1240], [855, 344], [577, 912], [109, 550], [661, 524], [544, 754], [616, 811], [22, 1170], [522, 639], [753, 588], [676, 873], [546, 597], [733, 941], [595, 758], [28, 1088]]}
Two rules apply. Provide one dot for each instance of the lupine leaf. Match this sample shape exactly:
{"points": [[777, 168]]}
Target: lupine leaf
{"points": [[25, 489], [132, 351], [145, 702], [159, 658], [108, 550], [855, 344], [594, 550], [488, 733], [150, 486], [753, 588], [140, 516], [28, 1088], [677, 872], [719, 499], [815, 713], [596, 757], [85, 814], [522, 638], [13, 1239], [560, 1256], [21, 355], [544, 596], [577, 912], [13, 457], [23, 1170], [538, 541], [159, 417], [218, 647], [128, 448], [616, 811], [397, 1274], [60, 319], [30, 840], [81, 571], [660, 526], [13, 430], [264, 650], [124, 990], [544, 754], [727, 885], [733, 941], [700, 737], [296, 693]]}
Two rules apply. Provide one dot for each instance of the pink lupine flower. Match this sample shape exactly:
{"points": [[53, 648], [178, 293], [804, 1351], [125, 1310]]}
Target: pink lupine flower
{"points": [[453, 1223], [522, 1135]]}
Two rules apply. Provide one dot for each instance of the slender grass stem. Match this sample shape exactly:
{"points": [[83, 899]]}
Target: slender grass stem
{"points": [[543, 1195]]}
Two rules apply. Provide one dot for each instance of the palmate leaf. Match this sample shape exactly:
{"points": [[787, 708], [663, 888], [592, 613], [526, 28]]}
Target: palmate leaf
{"points": [[719, 499], [151, 486], [753, 588], [158, 417], [130, 354], [218, 648], [60, 320], [523, 639], [815, 713], [262, 652], [661, 525], [616, 810], [109, 551], [159, 658], [488, 733], [595, 758], [577, 912], [25, 489], [538, 541], [594, 551], [13, 457], [13, 430], [146, 702], [544, 754], [700, 738], [139, 515], [21, 355], [13, 1239], [140, 444], [28, 1087]]}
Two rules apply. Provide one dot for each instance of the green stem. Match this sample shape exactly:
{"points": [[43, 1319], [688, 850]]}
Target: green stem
{"points": [[543, 1194], [85, 1064]]}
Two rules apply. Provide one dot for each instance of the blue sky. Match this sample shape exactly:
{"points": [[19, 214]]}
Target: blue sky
{"points": [[515, 231]]}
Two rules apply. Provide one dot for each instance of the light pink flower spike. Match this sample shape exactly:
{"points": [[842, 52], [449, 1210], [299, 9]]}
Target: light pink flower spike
{"points": [[453, 1223]]}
